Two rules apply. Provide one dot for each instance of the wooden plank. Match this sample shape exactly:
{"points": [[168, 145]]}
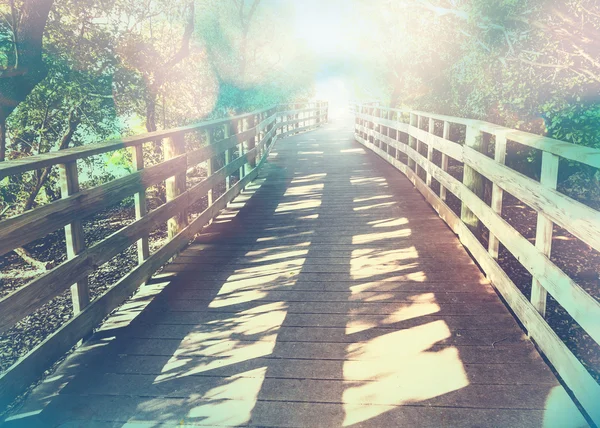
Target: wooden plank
{"points": [[24, 228], [579, 219], [543, 231], [294, 131], [586, 155], [442, 144], [74, 236], [398, 126], [203, 154], [175, 185], [14, 167]]}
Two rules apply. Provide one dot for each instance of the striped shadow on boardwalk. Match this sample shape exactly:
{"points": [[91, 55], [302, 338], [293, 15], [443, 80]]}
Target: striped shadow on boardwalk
{"points": [[328, 294]]}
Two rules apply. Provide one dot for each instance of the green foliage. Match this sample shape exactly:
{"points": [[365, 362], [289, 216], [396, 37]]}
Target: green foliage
{"points": [[122, 66]]}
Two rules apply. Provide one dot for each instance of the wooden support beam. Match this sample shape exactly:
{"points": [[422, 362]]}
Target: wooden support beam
{"points": [[431, 130], [251, 123], [388, 129], [412, 141], [175, 185], [241, 127], [210, 165], [472, 179], [446, 136], [543, 231], [74, 236], [228, 153], [497, 193], [143, 247]]}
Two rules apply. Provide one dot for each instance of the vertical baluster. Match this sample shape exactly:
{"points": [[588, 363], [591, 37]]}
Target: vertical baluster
{"points": [[74, 237], [241, 128], [387, 134], [472, 179], [228, 153], [543, 231], [412, 141], [251, 143], [318, 114], [143, 247], [497, 193], [175, 185], [431, 130], [446, 136], [210, 164]]}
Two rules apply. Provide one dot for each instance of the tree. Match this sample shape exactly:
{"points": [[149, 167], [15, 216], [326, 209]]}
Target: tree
{"points": [[24, 67]]}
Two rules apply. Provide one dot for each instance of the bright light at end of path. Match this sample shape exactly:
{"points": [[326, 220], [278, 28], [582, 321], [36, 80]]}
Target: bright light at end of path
{"points": [[334, 91]]}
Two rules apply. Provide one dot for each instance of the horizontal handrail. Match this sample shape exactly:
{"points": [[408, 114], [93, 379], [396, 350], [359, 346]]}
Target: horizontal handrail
{"points": [[253, 139], [586, 155], [17, 166], [392, 137]]}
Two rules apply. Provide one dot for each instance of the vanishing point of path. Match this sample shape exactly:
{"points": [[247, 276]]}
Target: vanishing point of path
{"points": [[328, 294]]}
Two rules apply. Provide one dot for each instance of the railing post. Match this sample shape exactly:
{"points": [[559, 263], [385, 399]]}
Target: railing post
{"points": [[228, 153], [431, 130], [210, 164], [143, 247], [387, 133], [472, 179], [412, 141], [241, 127], [175, 185], [497, 193], [376, 141], [446, 136], [74, 237], [543, 231], [251, 143], [370, 126], [318, 113]]}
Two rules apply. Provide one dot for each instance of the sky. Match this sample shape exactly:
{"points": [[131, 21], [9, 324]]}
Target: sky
{"points": [[325, 28]]}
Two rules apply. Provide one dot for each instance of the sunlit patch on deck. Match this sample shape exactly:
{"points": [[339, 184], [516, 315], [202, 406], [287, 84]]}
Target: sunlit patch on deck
{"points": [[369, 238], [398, 368]]}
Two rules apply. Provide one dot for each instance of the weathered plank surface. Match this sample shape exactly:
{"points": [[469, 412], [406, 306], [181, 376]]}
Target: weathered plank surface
{"points": [[330, 295]]}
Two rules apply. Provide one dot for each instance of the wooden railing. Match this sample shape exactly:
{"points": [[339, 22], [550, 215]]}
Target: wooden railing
{"points": [[412, 136], [250, 135]]}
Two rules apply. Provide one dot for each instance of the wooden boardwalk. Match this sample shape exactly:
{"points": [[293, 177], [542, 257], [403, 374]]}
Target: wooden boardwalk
{"points": [[328, 294]]}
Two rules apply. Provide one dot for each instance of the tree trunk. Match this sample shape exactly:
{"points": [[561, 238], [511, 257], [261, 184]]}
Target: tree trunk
{"points": [[29, 259], [36, 189], [18, 81], [2, 137], [45, 173], [151, 111]]}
